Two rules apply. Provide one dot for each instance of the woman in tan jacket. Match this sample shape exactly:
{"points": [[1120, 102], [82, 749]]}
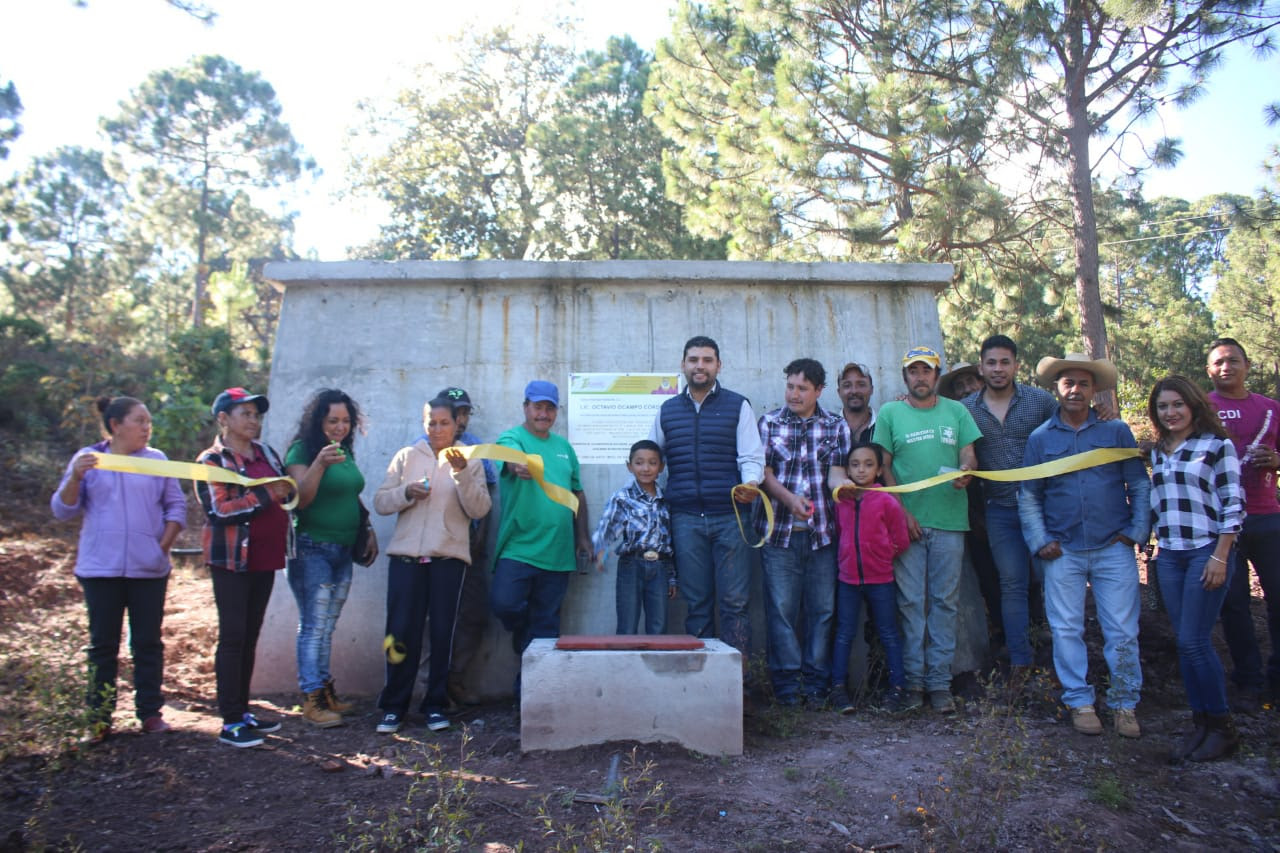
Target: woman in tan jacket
{"points": [[436, 491]]}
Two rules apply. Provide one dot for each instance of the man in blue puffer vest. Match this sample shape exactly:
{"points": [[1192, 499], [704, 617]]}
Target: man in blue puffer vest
{"points": [[712, 446]]}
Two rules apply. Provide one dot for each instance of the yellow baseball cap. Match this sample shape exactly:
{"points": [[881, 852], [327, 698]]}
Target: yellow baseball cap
{"points": [[924, 354]]}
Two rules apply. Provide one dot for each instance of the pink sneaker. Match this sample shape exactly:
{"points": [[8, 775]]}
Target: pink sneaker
{"points": [[154, 725]]}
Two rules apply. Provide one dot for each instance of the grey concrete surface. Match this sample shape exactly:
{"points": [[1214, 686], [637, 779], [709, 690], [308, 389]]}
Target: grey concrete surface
{"points": [[578, 698], [391, 334]]}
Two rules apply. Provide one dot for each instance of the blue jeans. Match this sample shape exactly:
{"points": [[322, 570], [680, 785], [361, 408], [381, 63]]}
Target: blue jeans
{"points": [[794, 577], [1193, 610], [880, 598], [714, 566], [1013, 562], [642, 581], [320, 577], [527, 599], [928, 580], [1112, 573], [1259, 544]]}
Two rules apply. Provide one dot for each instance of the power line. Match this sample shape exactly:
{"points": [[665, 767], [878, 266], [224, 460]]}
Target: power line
{"points": [[1165, 236]]}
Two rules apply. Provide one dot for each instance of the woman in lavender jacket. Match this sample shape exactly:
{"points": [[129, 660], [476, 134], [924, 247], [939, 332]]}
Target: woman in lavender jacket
{"points": [[130, 522]]}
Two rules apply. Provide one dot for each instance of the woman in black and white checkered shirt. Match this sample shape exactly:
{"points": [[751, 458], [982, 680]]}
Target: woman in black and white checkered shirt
{"points": [[1197, 504]]}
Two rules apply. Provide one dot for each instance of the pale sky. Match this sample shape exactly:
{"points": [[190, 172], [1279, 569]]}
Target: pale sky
{"points": [[73, 65]]}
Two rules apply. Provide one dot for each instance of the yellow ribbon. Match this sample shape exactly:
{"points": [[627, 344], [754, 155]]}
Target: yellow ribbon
{"points": [[1065, 465], [395, 650], [188, 471], [532, 461], [768, 513]]}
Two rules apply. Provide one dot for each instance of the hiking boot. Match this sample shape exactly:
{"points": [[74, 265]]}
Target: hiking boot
{"points": [[1248, 700], [315, 710], [1126, 723], [900, 701], [942, 702], [389, 724], [262, 727], [155, 724], [333, 702], [787, 700], [1220, 740], [1200, 721], [437, 722], [841, 702], [97, 733], [239, 735], [1085, 720]]}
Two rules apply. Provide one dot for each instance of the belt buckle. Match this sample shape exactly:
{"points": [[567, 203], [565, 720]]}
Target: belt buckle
{"points": [[650, 556]]}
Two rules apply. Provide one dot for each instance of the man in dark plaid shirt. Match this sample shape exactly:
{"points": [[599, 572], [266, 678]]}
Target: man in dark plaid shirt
{"points": [[1007, 412], [802, 443]]}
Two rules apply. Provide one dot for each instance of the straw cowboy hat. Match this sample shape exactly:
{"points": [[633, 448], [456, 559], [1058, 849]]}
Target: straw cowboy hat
{"points": [[960, 368], [1104, 372]]}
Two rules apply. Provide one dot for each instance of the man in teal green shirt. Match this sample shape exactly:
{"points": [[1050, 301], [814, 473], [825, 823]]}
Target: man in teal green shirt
{"points": [[537, 536], [924, 435]]}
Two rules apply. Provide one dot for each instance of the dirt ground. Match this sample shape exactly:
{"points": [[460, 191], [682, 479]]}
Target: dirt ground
{"points": [[991, 777]]}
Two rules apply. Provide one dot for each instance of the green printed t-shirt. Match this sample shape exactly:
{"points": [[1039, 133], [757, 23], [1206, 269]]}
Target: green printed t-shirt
{"points": [[535, 529], [923, 442], [334, 514]]}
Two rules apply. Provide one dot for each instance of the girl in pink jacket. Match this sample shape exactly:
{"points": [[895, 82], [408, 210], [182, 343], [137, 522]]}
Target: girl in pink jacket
{"points": [[873, 530]]}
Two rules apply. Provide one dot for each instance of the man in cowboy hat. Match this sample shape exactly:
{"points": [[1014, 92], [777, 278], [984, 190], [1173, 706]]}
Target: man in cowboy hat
{"points": [[922, 435], [960, 381], [1084, 526]]}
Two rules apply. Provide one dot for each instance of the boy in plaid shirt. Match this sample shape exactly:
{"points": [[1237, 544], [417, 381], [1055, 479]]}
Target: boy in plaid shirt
{"points": [[638, 516]]}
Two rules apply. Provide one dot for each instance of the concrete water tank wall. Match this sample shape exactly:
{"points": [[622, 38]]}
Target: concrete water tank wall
{"points": [[392, 334]]}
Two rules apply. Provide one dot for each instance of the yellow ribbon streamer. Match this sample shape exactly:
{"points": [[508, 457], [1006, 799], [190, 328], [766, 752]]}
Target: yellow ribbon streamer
{"points": [[1065, 465], [532, 461], [188, 471], [768, 513], [395, 650]]}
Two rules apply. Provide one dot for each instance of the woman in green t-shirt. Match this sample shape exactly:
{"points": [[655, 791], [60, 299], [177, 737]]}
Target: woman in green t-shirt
{"points": [[329, 517]]}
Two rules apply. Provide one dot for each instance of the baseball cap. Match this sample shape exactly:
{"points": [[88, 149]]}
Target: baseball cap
{"points": [[233, 397], [924, 354], [539, 390], [457, 397]]}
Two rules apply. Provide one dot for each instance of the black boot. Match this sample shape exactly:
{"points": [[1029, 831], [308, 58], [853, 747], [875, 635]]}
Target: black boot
{"points": [[1220, 741], [1180, 753]]}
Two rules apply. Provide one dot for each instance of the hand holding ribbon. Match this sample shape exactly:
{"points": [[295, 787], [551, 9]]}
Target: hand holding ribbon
{"points": [[189, 471], [751, 492], [532, 461]]}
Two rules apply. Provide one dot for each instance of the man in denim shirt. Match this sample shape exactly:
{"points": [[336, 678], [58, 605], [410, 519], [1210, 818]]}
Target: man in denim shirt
{"points": [[1084, 526]]}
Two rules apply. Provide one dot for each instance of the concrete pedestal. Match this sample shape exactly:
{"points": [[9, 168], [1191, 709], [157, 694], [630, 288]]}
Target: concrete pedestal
{"points": [[576, 698]]}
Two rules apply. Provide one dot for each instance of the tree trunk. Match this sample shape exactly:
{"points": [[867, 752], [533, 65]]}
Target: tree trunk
{"points": [[1084, 218], [202, 264]]}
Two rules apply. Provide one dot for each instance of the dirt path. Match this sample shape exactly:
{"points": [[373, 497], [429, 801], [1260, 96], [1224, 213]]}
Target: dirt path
{"points": [[985, 779]]}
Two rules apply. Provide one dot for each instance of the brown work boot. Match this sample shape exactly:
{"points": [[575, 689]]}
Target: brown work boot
{"points": [[1220, 741], [1126, 722], [315, 710], [1085, 720], [331, 697]]}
